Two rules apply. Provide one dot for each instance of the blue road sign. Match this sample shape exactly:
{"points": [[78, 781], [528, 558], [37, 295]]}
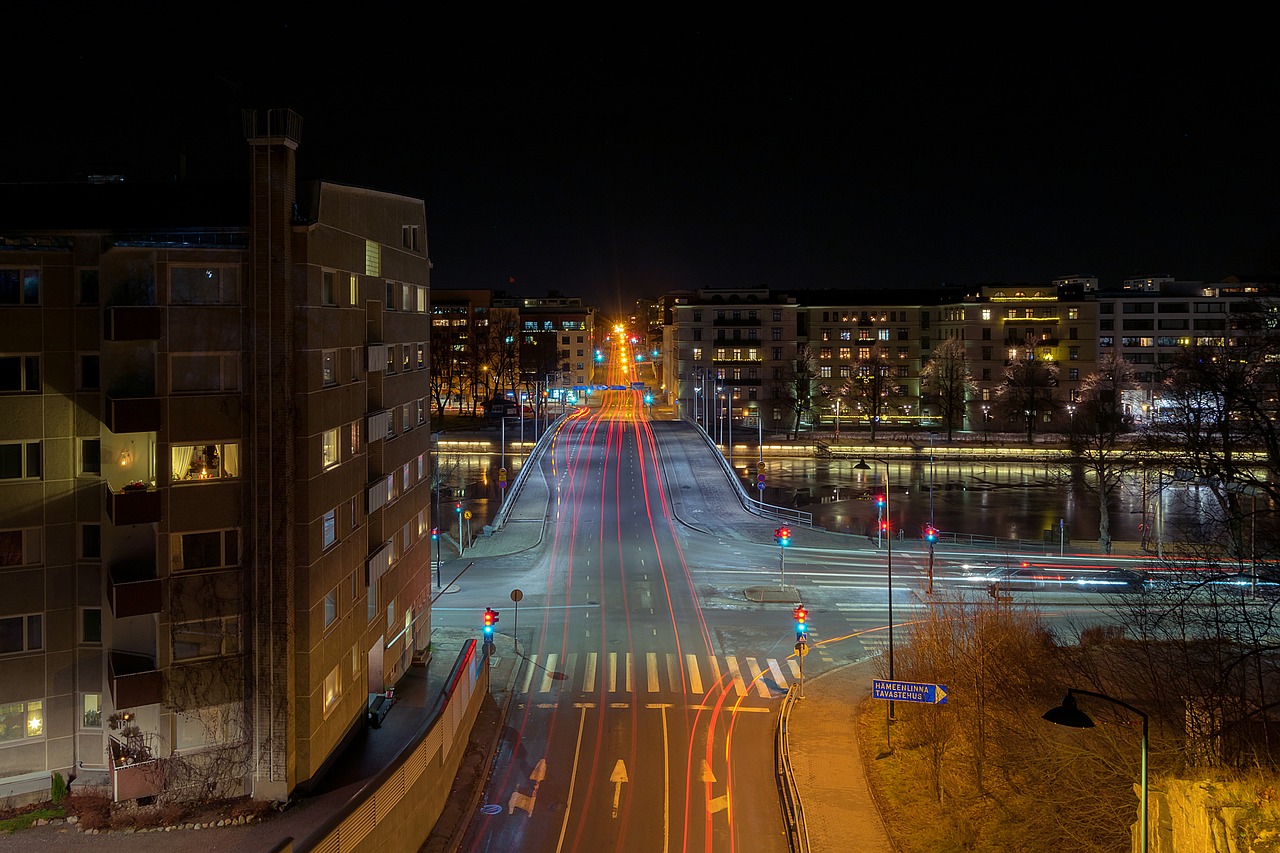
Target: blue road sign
{"points": [[909, 691]]}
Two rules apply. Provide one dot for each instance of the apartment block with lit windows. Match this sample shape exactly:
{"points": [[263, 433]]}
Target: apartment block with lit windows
{"points": [[213, 489]]}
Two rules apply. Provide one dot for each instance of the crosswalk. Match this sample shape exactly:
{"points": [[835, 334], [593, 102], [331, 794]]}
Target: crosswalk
{"points": [[652, 673]]}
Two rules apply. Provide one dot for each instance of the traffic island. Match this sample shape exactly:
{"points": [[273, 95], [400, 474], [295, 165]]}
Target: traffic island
{"points": [[772, 594]]}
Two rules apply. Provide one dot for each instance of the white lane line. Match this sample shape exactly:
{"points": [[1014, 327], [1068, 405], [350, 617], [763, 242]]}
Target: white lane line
{"points": [[757, 678], [547, 672], [530, 668], [695, 678], [738, 685], [651, 670], [573, 778]]}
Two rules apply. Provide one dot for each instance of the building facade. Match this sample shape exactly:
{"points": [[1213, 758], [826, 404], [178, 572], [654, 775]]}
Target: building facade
{"points": [[216, 535]]}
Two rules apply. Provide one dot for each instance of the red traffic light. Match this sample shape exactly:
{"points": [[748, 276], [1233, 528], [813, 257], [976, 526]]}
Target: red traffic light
{"points": [[435, 534], [457, 507], [801, 613], [490, 617], [931, 533], [880, 499]]}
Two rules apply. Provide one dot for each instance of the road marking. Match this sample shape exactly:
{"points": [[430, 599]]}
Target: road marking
{"points": [[589, 679], [547, 672], [739, 687], [779, 678], [695, 678], [528, 673], [573, 778], [732, 709], [757, 679], [674, 676], [627, 673], [794, 666], [613, 672], [666, 785], [651, 669], [715, 671]]}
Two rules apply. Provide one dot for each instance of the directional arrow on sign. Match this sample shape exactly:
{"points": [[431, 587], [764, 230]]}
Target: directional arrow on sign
{"points": [[617, 777]]}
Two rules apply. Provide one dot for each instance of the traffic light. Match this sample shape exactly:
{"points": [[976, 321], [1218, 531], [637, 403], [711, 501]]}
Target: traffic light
{"points": [[490, 619], [930, 534], [879, 500], [801, 615], [435, 534], [782, 536], [458, 507]]}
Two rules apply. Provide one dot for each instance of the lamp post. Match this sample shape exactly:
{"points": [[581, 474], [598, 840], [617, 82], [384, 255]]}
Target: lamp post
{"points": [[863, 466], [729, 400], [932, 528], [1069, 714]]}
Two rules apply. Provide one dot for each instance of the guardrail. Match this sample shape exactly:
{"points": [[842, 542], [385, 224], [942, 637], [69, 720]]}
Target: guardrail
{"points": [[792, 810], [778, 513]]}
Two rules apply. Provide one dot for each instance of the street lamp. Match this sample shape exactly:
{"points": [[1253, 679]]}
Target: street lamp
{"points": [[732, 391], [1069, 714], [931, 534], [863, 466]]}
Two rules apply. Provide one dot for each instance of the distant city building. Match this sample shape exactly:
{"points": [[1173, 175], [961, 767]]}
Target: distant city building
{"points": [[213, 474]]}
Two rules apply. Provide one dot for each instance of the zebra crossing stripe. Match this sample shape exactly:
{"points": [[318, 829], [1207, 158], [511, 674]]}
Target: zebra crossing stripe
{"points": [[695, 678], [528, 674], [794, 666], [651, 669], [547, 671], [779, 679], [589, 679], [716, 675], [674, 676], [738, 685], [627, 671], [613, 672], [757, 678]]}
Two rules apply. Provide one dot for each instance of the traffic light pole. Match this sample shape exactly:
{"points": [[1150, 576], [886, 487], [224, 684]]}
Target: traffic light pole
{"points": [[782, 571]]}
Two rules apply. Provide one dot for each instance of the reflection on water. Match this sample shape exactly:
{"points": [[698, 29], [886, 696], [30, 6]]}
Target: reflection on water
{"points": [[1013, 501]]}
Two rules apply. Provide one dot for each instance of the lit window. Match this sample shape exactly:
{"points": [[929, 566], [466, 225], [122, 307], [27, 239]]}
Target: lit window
{"points": [[329, 367], [329, 448], [91, 711], [21, 720], [199, 462], [332, 689]]}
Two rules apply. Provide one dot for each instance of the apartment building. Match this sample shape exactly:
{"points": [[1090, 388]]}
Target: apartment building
{"points": [[557, 340], [213, 474]]}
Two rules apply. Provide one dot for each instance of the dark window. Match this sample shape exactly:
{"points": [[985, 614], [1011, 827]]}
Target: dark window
{"points": [[89, 372], [91, 624], [91, 541], [20, 373], [88, 287], [10, 461], [91, 456], [10, 547]]}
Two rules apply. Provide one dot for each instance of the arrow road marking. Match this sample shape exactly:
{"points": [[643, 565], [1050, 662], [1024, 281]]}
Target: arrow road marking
{"points": [[618, 776]]}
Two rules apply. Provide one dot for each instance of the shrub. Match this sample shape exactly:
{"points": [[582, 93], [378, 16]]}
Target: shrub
{"points": [[58, 791]]}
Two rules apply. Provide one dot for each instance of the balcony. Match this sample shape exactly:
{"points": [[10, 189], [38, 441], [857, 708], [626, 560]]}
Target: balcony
{"points": [[132, 323], [132, 506], [134, 680], [134, 589], [132, 414]]}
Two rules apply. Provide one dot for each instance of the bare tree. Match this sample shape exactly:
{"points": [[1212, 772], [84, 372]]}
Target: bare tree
{"points": [[1028, 390], [871, 388], [443, 380], [948, 378], [798, 387], [1096, 431]]}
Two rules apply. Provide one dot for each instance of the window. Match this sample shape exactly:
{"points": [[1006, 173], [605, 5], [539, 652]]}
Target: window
{"points": [[372, 258], [205, 727], [329, 448], [201, 462], [206, 638], [20, 547], [21, 633], [422, 355], [355, 437], [328, 294], [329, 528], [20, 460], [91, 625], [91, 711], [89, 372], [391, 296], [20, 374], [88, 287], [329, 367], [19, 286], [1073, 353], [353, 285], [90, 456], [91, 541], [332, 689], [1073, 313], [209, 549], [21, 720], [204, 285], [391, 615], [371, 599], [330, 607], [1073, 373]]}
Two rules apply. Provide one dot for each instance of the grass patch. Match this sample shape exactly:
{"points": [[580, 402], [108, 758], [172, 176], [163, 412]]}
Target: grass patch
{"points": [[22, 821]]}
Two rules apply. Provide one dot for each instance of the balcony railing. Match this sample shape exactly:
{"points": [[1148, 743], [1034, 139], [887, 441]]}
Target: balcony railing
{"points": [[134, 588], [134, 680], [132, 323], [132, 414], [132, 506]]}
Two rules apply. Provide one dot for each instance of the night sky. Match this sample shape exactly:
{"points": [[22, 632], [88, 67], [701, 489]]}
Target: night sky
{"points": [[627, 163]]}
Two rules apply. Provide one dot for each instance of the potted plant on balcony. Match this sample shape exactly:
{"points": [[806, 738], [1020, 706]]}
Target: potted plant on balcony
{"points": [[134, 486]]}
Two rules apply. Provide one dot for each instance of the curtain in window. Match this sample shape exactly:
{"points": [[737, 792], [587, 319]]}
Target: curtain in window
{"points": [[231, 460], [182, 456]]}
